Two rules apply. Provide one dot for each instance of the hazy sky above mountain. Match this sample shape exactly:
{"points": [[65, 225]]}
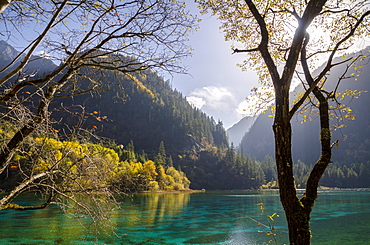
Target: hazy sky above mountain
{"points": [[215, 84]]}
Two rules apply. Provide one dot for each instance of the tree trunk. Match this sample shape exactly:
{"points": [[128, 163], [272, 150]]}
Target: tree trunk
{"points": [[297, 217], [298, 210]]}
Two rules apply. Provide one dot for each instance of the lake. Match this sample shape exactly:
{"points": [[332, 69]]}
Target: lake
{"points": [[214, 217]]}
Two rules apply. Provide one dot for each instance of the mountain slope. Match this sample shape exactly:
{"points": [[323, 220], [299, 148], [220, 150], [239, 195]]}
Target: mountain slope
{"points": [[139, 107], [354, 138], [146, 110], [239, 129], [36, 63]]}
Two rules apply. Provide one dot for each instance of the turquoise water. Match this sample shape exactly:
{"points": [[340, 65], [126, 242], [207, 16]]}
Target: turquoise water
{"points": [[339, 217]]}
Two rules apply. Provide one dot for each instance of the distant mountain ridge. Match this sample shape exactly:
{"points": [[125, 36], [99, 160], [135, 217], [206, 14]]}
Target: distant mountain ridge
{"points": [[36, 63], [355, 147], [7, 52]]}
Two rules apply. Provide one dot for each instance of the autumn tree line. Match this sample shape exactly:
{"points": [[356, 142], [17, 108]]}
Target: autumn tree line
{"points": [[122, 169], [119, 168]]}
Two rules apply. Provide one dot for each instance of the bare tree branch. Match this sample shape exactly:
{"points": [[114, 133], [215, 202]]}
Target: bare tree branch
{"points": [[34, 46], [4, 202]]}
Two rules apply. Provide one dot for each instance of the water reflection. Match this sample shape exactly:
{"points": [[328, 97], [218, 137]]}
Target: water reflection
{"points": [[152, 208], [38, 226], [198, 218]]}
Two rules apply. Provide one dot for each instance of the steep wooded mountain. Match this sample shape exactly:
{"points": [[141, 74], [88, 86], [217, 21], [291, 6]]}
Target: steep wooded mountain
{"points": [[354, 138], [145, 109], [139, 107]]}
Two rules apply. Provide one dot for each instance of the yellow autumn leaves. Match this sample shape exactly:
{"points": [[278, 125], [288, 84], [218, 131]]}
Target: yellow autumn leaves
{"points": [[88, 165]]}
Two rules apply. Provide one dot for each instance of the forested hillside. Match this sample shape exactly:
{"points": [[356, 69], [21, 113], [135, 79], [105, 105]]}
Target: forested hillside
{"points": [[351, 167], [141, 110], [138, 110], [146, 111], [139, 107]]}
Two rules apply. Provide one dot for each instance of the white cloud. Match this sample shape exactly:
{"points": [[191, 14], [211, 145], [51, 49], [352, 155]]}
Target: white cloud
{"points": [[258, 101], [215, 98], [196, 101], [43, 54], [218, 102], [222, 103]]}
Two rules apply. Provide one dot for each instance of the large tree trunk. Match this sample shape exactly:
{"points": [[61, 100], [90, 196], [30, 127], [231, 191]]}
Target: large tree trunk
{"points": [[297, 216], [298, 210]]}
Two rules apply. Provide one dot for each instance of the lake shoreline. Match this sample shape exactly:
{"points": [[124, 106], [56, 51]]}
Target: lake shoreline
{"points": [[323, 188], [175, 191]]}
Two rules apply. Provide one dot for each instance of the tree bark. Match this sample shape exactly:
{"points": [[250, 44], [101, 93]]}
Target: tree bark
{"points": [[4, 201], [297, 218], [297, 210], [318, 170]]}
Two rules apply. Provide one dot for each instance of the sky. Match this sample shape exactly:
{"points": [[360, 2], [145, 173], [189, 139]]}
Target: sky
{"points": [[214, 83]]}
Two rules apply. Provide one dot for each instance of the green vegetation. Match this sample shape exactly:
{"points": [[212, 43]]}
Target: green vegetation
{"points": [[221, 169], [119, 168], [224, 169]]}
